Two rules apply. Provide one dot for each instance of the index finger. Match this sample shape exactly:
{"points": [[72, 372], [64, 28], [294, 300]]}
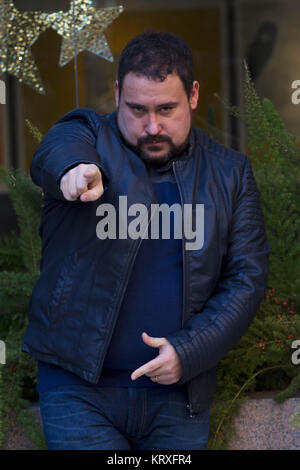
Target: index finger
{"points": [[145, 368]]}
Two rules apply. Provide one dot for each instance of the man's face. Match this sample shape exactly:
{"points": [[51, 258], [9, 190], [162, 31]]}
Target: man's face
{"points": [[155, 117]]}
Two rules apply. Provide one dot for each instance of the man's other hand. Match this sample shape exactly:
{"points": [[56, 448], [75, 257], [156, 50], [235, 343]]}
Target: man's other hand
{"points": [[84, 180], [165, 368]]}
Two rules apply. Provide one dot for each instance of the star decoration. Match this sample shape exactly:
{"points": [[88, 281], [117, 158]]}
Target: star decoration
{"points": [[82, 29], [18, 32]]}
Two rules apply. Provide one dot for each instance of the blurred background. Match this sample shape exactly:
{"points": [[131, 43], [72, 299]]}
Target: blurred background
{"points": [[222, 35]]}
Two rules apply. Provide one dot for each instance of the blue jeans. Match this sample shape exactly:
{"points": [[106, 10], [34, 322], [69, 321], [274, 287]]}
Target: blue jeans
{"points": [[82, 417]]}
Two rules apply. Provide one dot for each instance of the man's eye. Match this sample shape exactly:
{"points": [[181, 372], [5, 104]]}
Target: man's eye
{"points": [[166, 109], [137, 109]]}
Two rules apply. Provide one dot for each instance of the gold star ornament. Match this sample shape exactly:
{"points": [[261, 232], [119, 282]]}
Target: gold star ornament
{"points": [[82, 29], [18, 32]]}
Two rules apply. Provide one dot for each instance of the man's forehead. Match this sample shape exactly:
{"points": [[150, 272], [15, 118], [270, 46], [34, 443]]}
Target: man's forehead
{"points": [[134, 84]]}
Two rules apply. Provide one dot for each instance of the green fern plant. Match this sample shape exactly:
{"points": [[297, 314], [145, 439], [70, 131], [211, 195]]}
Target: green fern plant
{"points": [[262, 358], [20, 253]]}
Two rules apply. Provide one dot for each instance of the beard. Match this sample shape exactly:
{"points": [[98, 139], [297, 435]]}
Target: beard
{"points": [[150, 159]]}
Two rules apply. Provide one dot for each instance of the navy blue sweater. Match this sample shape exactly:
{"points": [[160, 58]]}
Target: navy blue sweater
{"points": [[152, 303]]}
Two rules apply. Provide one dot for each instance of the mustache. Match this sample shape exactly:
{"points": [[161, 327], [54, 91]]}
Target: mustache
{"points": [[150, 139]]}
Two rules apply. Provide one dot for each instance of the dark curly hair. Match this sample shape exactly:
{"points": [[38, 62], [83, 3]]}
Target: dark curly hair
{"points": [[155, 55]]}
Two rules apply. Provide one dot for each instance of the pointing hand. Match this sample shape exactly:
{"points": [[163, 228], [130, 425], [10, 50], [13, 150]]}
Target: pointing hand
{"points": [[84, 180], [165, 368]]}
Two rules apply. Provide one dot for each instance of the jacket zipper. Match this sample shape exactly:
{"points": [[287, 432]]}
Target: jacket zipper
{"points": [[189, 406], [120, 302]]}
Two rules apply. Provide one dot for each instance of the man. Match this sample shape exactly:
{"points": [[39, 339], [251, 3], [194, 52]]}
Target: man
{"points": [[154, 262]]}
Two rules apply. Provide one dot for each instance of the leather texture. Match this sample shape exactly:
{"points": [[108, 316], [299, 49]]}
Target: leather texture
{"points": [[74, 305]]}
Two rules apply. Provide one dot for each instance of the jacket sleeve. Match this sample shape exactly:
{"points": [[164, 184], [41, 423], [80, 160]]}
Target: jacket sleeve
{"points": [[72, 140], [207, 336]]}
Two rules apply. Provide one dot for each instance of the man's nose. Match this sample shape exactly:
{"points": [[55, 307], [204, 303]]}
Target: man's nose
{"points": [[153, 126]]}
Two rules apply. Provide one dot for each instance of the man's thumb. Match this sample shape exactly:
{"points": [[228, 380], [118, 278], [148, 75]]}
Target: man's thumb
{"points": [[151, 341], [90, 174]]}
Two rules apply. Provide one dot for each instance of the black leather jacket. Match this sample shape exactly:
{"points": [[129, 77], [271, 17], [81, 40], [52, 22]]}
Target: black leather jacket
{"points": [[75, 303]]}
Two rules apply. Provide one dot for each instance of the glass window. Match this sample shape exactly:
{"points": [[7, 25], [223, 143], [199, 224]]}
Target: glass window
{"points": [[221, 33]]}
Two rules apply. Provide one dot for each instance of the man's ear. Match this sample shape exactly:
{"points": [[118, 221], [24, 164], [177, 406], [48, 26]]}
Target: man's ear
{"points": [[194, 96], [117, 93]]}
